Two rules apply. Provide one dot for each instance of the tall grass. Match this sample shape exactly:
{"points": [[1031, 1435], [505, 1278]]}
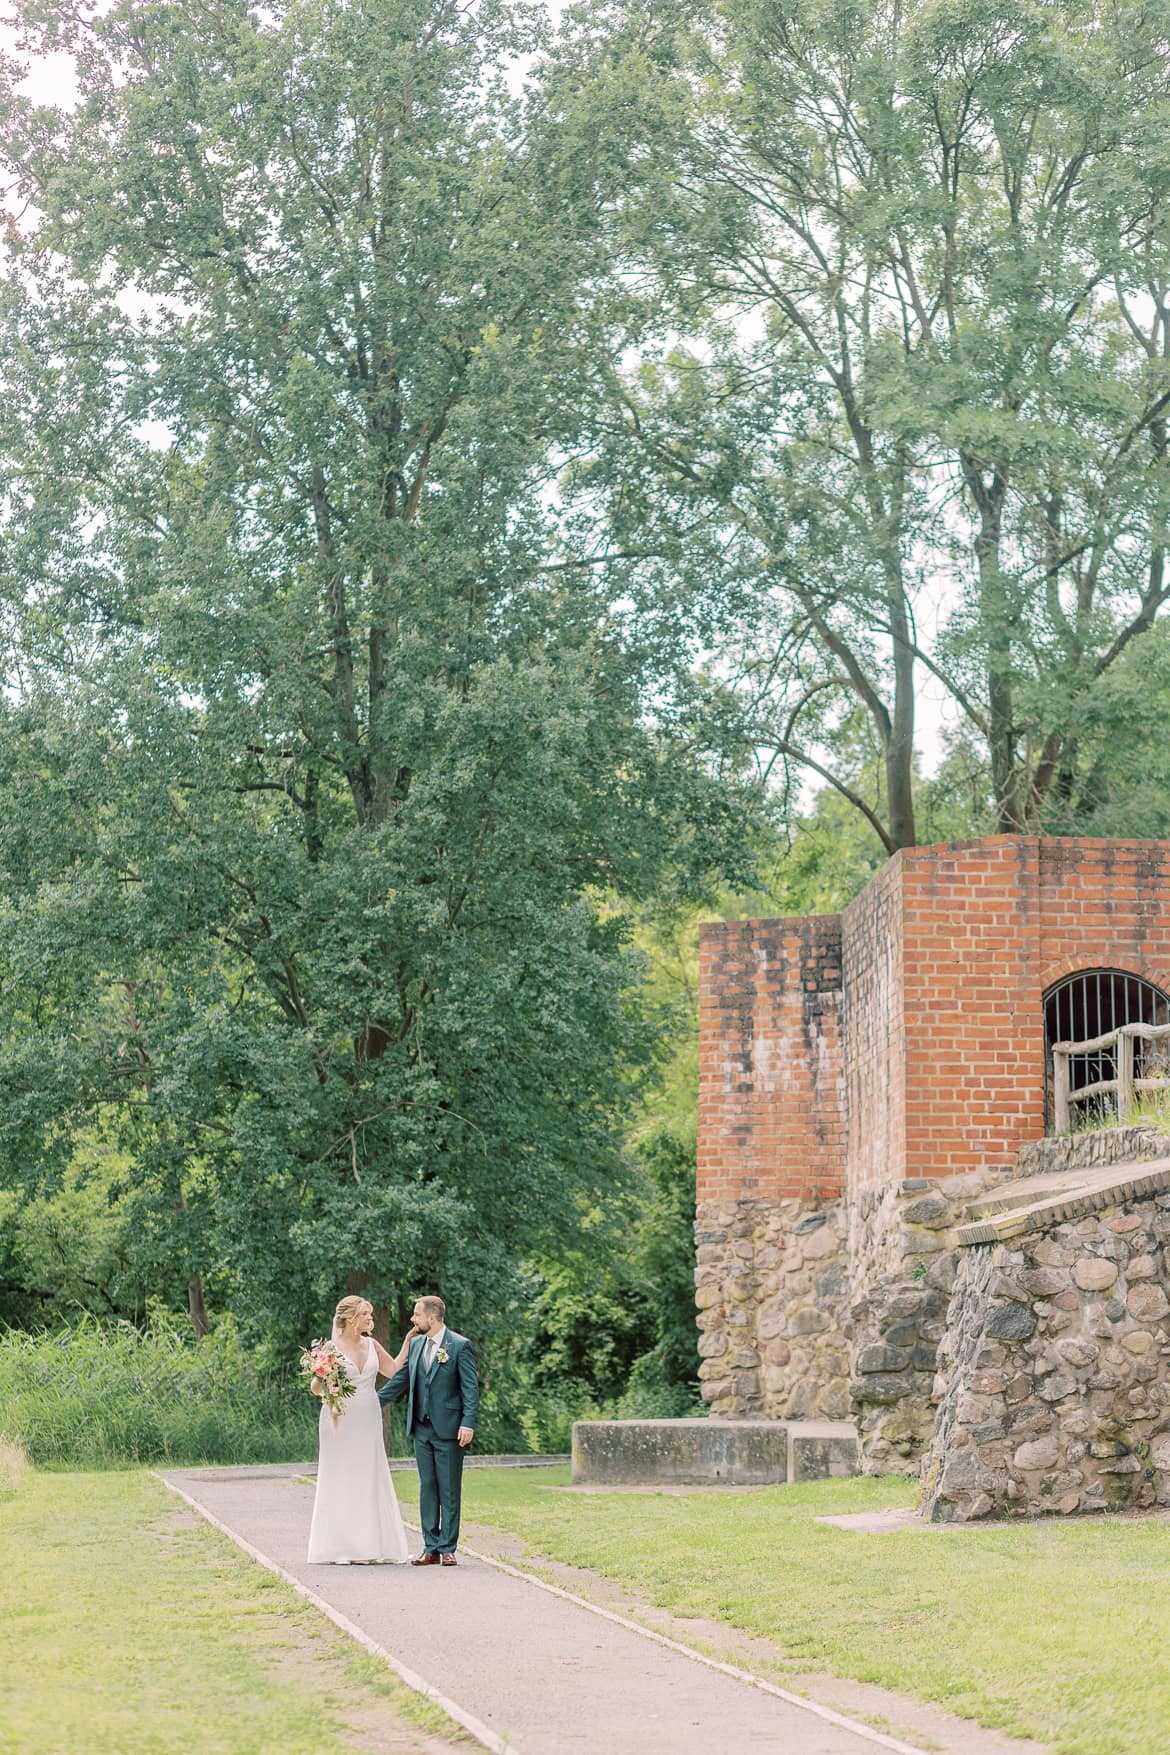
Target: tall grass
{"points": [[1149, 1109], [103, 1395], [109, 1395], [13, 1467]]}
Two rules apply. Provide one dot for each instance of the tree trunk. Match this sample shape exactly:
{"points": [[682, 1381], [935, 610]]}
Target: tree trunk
{"points": [[997, 633], [899, 746], [899, 752], [1001, 738], [197, 1308]]}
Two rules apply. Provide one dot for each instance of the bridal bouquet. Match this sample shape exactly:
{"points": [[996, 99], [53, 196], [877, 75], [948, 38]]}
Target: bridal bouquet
{"points": [[323, 1369]]}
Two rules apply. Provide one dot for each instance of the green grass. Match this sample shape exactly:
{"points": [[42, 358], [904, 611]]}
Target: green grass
{"points": [[102, 1395], [132, 1628], [109, 1395], [1150, 1109], [1058, 1630], [160, 1637], [13, 1467]]}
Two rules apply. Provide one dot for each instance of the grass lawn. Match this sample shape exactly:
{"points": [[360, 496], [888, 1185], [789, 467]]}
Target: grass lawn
{"points": [[130, 1627], [1059, 1629]]}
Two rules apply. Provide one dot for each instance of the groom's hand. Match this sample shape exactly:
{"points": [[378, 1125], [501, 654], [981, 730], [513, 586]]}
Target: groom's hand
{"points": [[465, 1435]]}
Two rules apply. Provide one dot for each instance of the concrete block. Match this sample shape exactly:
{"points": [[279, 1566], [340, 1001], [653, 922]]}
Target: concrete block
{"points": [[821, 1450], [741, 1453]]}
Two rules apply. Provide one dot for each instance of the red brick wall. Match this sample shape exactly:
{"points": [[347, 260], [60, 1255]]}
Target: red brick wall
{"points": [[944, 960], [987, 927], [873, 1033], [770, 1123]]}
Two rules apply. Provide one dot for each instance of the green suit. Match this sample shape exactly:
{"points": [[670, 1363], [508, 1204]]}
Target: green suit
{"points": [[438, 1402]]}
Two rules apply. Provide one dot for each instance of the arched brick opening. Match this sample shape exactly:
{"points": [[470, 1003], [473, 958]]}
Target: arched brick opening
{"points": [[1088, 1003]]}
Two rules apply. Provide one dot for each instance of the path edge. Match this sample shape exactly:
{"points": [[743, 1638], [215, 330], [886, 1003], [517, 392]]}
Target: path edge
{"points": [[418, 1684], [476, 1728], [864, 1731]]}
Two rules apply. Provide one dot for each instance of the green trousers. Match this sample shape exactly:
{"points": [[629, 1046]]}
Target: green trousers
{"points": [[440, 1488]]}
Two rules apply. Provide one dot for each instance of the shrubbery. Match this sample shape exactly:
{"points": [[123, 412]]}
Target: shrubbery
{"points": [[108, 1395], [99, 1395], [605, 1331]]}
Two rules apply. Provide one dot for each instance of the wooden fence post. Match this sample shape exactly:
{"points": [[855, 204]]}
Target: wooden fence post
{"points": [[1061, 1107], [1125, 1058]]}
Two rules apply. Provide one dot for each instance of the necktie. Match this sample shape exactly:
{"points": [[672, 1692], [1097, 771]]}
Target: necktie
{"points": [[429, 1356]]}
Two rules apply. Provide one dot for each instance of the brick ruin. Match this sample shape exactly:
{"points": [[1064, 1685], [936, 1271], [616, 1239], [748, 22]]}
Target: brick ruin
{"points": [[867, 1079]]}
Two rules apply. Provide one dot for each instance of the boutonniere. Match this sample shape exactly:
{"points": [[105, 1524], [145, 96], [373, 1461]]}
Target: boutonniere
{"points": [[442, 1355]]}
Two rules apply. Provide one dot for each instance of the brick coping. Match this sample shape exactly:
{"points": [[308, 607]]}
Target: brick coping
{"points": [[1020, 1208]]}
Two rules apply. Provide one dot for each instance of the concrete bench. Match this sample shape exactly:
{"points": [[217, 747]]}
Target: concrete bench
{"points": [[699, 1452]]}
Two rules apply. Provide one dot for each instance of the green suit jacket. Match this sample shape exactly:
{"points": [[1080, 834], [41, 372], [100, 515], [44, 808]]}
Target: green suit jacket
{"points": [[452, 1386]]}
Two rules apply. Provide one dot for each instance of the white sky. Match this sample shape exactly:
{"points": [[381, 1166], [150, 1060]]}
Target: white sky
{"points": [[50, 78]]}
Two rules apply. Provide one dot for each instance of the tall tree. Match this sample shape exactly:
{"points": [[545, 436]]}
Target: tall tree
{"points": [[914, 416], [316, 763]]}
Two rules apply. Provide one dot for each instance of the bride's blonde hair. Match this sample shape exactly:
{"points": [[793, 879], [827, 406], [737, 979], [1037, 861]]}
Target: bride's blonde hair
{"points": [[347, 1311]]}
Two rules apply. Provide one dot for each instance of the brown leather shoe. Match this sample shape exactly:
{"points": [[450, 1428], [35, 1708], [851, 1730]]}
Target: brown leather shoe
{"points": [[448, 1560], [430, 1558]]}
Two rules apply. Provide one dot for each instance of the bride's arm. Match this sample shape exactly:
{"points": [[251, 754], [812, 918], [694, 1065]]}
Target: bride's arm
{"points": [[387, 1363]]}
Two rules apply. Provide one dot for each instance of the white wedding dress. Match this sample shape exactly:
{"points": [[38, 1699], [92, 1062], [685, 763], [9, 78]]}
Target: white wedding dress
{"points": [[355, 1511]]}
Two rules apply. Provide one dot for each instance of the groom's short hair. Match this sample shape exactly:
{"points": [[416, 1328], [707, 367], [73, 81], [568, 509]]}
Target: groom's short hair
{"points": [[434, 1305]]}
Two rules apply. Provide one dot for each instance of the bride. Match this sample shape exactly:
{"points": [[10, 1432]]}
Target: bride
{"points": [[355, 1511]]}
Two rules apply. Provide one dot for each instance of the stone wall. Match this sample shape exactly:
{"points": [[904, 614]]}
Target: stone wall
{"points": [[1083, 1151], [772, 1293], [1054, 1375], [822, 1310], [862, 1076], [903, 1260]]}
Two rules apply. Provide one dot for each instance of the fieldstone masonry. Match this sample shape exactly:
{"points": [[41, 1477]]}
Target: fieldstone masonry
{"points": [[866, 1081], [771, 1289], [1086, 1151], [1054, 1372], [902, 1263]]}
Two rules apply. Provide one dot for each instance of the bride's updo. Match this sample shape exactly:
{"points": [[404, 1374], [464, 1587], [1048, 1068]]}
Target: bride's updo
{"points": [[347, 1312]]}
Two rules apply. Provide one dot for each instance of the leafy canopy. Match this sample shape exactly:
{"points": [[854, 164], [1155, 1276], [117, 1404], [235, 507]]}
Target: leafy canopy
{"points": [[319, 756]]}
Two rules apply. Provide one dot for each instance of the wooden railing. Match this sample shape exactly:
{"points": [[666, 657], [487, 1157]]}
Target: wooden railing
{"points": [[1124, 1086]]}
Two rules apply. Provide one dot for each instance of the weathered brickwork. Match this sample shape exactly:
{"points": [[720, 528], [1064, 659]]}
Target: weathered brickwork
{"points": [[987, 928], [770, 1124], [880, 1068], [874, 1035]]}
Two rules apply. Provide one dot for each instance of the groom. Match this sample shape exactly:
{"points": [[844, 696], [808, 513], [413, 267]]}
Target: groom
{"points": [[442, 1398]]}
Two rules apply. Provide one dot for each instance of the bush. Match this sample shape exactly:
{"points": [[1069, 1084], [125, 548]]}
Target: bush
{"points": [[650, 1395], [110, 1395], [104, 1395]]}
